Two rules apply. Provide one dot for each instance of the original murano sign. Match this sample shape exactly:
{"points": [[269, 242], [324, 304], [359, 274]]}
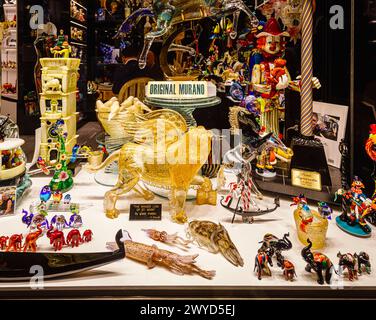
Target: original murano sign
{"points": [[180, 89], [306, 179]]}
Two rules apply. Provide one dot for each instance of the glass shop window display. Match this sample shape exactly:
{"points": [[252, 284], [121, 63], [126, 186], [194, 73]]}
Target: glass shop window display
{"points": [[159, 74]]}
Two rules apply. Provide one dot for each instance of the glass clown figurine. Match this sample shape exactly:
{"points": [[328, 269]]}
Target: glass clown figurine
{"points": [[354, 222]]}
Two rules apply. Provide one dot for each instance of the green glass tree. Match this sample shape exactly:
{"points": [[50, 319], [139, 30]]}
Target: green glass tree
{"points": [[63, 177]]}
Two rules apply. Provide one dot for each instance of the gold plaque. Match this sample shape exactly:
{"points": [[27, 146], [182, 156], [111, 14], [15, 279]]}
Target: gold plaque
{"points": [[306, 179]]}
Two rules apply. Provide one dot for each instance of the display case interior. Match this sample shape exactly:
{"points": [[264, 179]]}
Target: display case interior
{"points": [[222, 167]]}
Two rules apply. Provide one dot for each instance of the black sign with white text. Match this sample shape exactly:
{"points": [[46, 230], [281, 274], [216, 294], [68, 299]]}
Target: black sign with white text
{"points": [[145, 212]]}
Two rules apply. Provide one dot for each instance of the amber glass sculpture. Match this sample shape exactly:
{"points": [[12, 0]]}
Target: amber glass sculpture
{"points": [[315, 230]]}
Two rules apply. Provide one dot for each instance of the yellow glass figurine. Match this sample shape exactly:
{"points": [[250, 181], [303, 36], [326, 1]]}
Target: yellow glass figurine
{"points": [[162, 155], [206, 194], [221, 179], [123, 120], [309, 223]]}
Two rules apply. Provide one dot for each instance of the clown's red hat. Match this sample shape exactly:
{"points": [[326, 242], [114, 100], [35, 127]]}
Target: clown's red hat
{"points": [[272, 28]]}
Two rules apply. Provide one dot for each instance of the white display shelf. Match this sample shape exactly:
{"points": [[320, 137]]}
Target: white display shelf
{"points": [[128, 277]]}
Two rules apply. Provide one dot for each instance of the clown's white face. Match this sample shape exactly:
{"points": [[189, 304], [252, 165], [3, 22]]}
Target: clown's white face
{"points": [[273, 44]]}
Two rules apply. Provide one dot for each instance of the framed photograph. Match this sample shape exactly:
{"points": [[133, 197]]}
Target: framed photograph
{"points": [[329, 125], [7, 200]]}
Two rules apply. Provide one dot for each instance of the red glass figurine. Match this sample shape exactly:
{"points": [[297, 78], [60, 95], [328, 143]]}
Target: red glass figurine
{"points": [[31, 240], [3, 242], [43, 166], [87, 236], [74, 238], [57, 239], [15, 243]]}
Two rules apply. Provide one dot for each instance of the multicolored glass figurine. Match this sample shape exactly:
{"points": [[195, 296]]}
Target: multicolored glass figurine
{"points": [[45, 194], [41, 164], [58, 222], [318, 262], [47, 205], [305, 212], [270, 76], [172, 12], [354, 222], [271, 246], [63, 177], [62, 49], [67, 199], [34, 221], [57, 196], [354, 263], [12, 158], [325, 211], [266, 148], [75, 221]]}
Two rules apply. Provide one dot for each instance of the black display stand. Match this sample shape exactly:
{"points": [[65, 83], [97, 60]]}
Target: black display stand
{"points": [[309, 155], [281, 184]]}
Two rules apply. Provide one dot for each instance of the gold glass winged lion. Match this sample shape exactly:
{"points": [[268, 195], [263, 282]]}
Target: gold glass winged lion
{"points": [[163, 153]]}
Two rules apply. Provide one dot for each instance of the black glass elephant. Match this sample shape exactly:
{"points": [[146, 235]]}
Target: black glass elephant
{"points": [[318, 262]]}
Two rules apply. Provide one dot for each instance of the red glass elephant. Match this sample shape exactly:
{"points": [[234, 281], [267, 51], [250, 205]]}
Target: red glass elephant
{"points": [[3, 242], [31, 240], [15, 243], [74, 238], [87, 236], [57, 239]]}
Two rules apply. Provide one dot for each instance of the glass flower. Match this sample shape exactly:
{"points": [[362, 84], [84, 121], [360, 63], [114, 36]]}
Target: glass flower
{"points": [[63, 176]]}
